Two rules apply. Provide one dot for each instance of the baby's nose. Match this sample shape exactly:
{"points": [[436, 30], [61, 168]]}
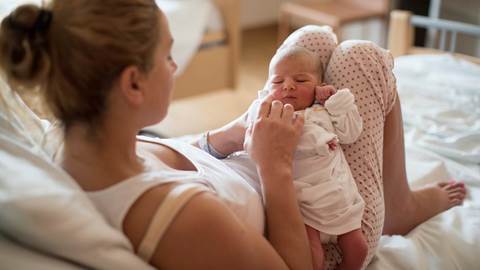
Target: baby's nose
{"points": [[289, 85]]}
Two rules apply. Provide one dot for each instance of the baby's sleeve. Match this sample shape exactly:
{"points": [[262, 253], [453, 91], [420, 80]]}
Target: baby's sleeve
{"points": [[345, 117]]}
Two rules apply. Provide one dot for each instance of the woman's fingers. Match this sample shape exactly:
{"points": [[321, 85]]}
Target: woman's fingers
{"points": [[276, 109], [270, 108], [287, 114], [299, 121], [265, 105]]}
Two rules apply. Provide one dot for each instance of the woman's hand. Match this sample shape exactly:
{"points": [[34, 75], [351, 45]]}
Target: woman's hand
{"points": [[272, 139], [271, 142]]}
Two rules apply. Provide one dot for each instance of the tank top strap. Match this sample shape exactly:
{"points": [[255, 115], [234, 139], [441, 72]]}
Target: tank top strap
{"points": [[175, 200]]}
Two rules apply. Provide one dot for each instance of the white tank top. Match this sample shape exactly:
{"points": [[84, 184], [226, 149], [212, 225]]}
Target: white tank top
{"points": [[115, 201]]}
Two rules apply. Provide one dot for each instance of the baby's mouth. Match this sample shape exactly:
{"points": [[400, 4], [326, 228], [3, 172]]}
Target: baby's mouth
{"points": [[289, 100]]}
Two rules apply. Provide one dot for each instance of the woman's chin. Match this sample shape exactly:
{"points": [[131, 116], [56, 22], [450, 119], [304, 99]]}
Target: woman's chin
{"points": [[155, 120]]}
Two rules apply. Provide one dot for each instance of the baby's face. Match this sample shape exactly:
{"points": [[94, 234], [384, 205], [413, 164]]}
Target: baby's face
{"points": [[292, 80]]}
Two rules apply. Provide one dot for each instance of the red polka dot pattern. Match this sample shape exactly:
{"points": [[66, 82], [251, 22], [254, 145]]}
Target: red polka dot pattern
{"points": [[366, 70]]}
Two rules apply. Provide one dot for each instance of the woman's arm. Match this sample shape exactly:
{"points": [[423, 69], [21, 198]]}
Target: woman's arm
{"points": [[206, 234], [271, 143], [229, 138]]}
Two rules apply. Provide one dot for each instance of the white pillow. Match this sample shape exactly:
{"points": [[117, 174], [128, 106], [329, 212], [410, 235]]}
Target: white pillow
{"points": [[14, 256], [42, 207]]}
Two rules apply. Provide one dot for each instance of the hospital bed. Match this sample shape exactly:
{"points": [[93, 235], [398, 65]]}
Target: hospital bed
{"points": [[47, 222], [440, 96]]}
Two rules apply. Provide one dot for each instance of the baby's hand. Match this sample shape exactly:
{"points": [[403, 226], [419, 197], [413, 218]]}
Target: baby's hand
{"points": [[332, 144], [323, 92]]}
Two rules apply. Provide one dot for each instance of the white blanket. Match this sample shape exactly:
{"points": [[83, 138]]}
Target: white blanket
{"points": [[441, 105]]}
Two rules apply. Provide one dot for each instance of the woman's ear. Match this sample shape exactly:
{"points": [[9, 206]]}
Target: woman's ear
{"points": [[132, 85]]}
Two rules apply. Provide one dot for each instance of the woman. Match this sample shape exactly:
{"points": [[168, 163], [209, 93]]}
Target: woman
{"points": [[105, 70]]}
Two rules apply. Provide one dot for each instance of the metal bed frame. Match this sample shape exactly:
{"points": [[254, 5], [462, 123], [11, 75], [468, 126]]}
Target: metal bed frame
{"points": [[401, 30]]}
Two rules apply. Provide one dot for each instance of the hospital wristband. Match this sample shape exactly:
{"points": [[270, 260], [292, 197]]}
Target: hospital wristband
{"points": [[207, 147]]}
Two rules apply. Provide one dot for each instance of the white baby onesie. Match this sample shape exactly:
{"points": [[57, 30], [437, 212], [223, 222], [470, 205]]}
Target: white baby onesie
{"points": [[326, 191]]}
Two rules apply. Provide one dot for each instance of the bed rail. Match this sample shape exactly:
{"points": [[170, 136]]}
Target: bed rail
{"points": [[445, 27], [401, 32]]}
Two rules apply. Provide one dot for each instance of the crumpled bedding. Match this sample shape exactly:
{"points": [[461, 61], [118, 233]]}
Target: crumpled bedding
{"points": [[440, 98]]}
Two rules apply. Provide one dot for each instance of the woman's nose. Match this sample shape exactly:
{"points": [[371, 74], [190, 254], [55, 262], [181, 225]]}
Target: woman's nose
{"points": [[174, 65]]}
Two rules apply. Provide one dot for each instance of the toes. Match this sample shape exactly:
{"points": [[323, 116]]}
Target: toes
{"points": [[456, 189], [456, 195], [449, 183], [442, 184], [456, 198], [452, 185], [456, 202]]}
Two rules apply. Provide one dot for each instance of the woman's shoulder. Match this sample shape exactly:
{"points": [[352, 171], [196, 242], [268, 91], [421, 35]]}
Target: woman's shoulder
{"points": [[203, 218]]}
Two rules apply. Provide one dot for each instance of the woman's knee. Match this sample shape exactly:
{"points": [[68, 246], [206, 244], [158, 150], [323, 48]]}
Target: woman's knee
{"points": [[366, 69], [366, 49], [318, 39]]}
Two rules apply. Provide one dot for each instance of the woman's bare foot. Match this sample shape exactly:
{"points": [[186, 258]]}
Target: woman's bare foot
{"points": [[439, 197], [429, 201], [456, 192], [405, 209]]}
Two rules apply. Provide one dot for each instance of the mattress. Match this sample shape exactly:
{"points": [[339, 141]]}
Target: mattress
{"points": [[440, 99]]}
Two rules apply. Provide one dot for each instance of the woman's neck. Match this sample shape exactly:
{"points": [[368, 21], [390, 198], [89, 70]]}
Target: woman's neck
{"points": [[100, 159]]}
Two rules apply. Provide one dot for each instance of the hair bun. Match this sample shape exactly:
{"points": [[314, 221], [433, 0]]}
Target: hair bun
{"points": [[39, 27], [23, 44], [42, 23]]}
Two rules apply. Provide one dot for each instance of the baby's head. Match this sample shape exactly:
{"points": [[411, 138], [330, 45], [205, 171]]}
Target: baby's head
{"points": [[294, 72]]}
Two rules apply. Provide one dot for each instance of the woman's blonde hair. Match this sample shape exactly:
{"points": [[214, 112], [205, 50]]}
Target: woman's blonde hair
{"points": [[75, 50]]}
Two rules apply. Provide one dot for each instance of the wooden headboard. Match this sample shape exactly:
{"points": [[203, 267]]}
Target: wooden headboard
{"points": [[215, 67], [230, 10], [401, 33]]}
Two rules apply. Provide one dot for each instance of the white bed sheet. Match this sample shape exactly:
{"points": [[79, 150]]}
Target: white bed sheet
{"points": [[441, 108]]}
